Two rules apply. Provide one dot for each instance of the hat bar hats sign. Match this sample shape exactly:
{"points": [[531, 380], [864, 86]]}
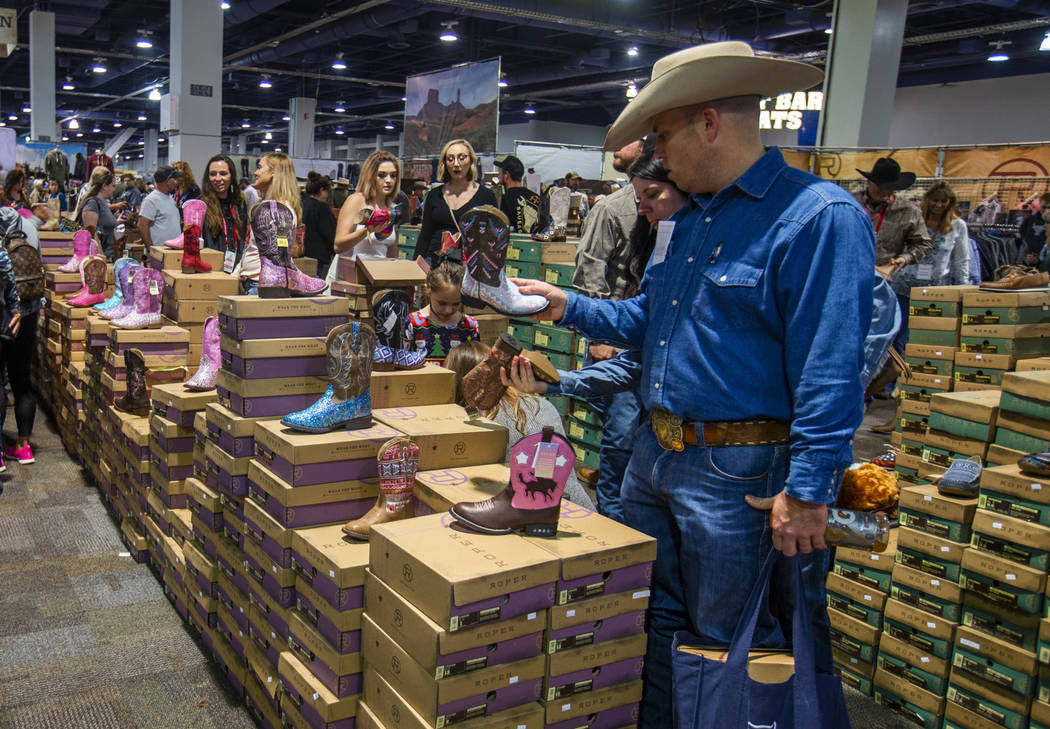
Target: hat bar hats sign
{"points": [[705, 73], [8, 31]]}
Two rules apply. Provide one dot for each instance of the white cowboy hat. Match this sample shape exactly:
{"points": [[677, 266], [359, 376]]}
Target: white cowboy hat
{"points": [[705, 73]]}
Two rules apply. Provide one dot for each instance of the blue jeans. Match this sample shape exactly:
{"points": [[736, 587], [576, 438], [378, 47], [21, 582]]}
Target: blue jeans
{"points": [[249, 287], [902, 334], [710, 548]]}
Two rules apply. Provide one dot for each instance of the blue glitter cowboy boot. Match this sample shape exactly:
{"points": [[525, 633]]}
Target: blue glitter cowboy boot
{"points": [[486, 234], [118, 294], [347, 401]]}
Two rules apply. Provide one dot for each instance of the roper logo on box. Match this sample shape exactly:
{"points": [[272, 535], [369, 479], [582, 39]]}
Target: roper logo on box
{"points": [[395, 665], [444, 477], [399, 619], [460, 448], [406, 572], [410, 388], [395, 714]]}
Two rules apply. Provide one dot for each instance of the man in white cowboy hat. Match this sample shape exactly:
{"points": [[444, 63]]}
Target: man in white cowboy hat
{"points": [[752, 325]]}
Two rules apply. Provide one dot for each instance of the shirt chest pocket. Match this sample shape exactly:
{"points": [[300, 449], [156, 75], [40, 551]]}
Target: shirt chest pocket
{"points": [[729, 296]]}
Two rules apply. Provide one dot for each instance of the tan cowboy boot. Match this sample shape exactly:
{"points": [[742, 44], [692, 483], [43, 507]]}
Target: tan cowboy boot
{"points": [[398, 460]]}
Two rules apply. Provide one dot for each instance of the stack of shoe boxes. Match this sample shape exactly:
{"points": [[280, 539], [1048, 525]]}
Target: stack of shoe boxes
{"points": [[172, 440], [356, 295], [594, 636], [190, 298], [859, 581], [1001, 329], [165, 351], [465, 592], [1024, 417], [960, 427], [56, 247], [284, 389], [584, 428]]}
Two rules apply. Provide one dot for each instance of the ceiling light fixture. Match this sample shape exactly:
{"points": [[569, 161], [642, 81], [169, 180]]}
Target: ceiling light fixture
{"points": [[388, 125], [998, 56], [404, 98], [73, 124], [96, 130], [266, 141], [338, 64], [529, 110], [632, 51], [632, 91], [339, 108], [276, 149], [269, 135], [117, 125], [99, 66], [1045, 45], [224, 5], [160, 139], [286, 118], [65, 138], [264, 82], [26, 109], [80, 134], [503, 81], [245, 125], [339, 131], [829, 31], [142, 117], [143, 43], [154, 95], [448, 35], [68, 86], [12, 117]]}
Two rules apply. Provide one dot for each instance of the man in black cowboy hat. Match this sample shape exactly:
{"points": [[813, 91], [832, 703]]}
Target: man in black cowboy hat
{"points": [[900, 232]]}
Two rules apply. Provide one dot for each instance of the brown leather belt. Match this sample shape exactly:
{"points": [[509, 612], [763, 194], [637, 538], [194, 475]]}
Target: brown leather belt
{"points": [[673, 435]]}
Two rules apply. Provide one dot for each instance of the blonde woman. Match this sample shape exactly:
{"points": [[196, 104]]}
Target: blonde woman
{"points": [[369, 235], [188, 188], [266, 267], [458, 193]]}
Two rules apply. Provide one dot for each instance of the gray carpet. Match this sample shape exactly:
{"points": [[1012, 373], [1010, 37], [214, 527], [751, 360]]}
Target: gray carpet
{"points": [[87, 638]]}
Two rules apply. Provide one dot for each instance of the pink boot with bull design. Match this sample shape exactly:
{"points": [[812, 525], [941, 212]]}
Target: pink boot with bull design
{"points": [[540, 465]]}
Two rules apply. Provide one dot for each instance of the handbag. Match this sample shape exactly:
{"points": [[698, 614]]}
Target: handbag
{"points": [[711, 693]]}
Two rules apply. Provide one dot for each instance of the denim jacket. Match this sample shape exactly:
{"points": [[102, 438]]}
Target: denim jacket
{"points": [[759, 310]]}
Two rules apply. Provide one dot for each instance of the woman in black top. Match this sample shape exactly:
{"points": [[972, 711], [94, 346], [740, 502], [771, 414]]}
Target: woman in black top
{"points": [[444, 205], [226, 222], [187, 189], [319, 222], [95, 211]]}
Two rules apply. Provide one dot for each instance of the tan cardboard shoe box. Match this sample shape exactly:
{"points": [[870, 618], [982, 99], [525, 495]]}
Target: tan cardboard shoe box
{"points": [[439, 490], [272, 387], [171, 258], [447, 437], [1011, 480], [1036, 364], [390, 273], [313, 692], [928, 500], [437, 567], [200, 286], [302, 448], [327, 552], [977, 407], [321, 493], [391, 710], [428, 385], [274, 348], [427, 642]]}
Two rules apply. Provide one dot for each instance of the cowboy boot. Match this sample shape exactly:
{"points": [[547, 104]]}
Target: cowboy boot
{"points": [[559, 204], [136, 399], [193, 213], [82, 241], [540, 465], [390, 312], [398, 460], [125, 284], [149, 285], [273, 225], [93, 276], [375, 217], [486, 234], [347, 401], [482, 388], [205, 376], [118, 293]]}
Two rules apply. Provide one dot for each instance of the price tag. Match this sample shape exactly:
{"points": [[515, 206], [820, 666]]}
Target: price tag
{"points": [[924, 659], [924, 271], [513, 254], [512, 272], [1036, 486], [541, 339], [282, 241], [550, 276], [970, 644], [575, 430], [945, 549], [153, 290], [228, 262], [935, 583], [664, 230]]}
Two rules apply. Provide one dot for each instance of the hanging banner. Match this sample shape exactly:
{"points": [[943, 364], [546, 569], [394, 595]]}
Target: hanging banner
{"points": [[998, 162], [844, 165], [8, 31], [460, 103]]}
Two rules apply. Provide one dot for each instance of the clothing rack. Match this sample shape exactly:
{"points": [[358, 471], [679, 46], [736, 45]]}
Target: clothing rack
{"points": [[1012, 228]]}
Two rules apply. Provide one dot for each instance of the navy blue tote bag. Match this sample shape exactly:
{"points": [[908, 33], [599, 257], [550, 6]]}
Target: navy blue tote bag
{"points": [[710, 694]]}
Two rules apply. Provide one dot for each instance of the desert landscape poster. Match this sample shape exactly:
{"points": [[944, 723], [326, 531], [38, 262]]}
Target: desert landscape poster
{"points": [[458, 103]]}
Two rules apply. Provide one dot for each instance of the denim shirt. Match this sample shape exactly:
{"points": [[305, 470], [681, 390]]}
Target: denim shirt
{"points": [[607, 377], [759, 310]]}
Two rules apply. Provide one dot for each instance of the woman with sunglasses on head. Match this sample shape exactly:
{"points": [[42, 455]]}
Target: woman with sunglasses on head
{"points": [[458, 193]]}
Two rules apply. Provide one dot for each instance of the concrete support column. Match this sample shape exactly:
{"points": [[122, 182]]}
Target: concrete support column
{"points": [[196, 81], [149, 151], [861, 82], [301, 128], [242, 144], [42, 121]]}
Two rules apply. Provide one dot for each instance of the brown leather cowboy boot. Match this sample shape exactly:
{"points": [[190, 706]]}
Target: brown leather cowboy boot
{"points": [[136, 399], [398, 460], [482, 387]]}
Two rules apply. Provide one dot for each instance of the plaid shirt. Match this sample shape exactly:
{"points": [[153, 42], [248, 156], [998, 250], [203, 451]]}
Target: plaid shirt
{"points": [[901, 232]]}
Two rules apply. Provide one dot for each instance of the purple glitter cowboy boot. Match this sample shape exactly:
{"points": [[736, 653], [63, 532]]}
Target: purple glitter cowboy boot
{"points": [[205, 376]]}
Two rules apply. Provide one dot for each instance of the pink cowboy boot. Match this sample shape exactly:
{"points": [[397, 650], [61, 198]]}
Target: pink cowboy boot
{"points": [[149, 284], [273, 225], [93, 276], [125, 279], [205, 376], [193, 213], [83, 246], [540, 465]]}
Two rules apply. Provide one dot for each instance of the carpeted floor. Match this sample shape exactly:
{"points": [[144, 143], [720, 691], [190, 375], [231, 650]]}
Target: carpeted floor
{"points": [[87, 638]]}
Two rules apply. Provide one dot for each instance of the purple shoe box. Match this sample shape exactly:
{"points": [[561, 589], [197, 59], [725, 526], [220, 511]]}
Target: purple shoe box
{"points": [[182, 418], [261, 528], [232, 530], [98, 340], [593, 679], [265, 575], [232, 505], [234, 605], [204, 609], [268, 367], [345, 598], [303, 459], [172, 473], [617, 717], [599, 631], [269, 613], [342, 630], [167, 349], [204, 538], [264, 328], [267, 641], [230, 631], [175, 445], [341, 673], [511, 605], [233, 447], [211, 519], [310, 515], [303, 705], [264, 407], [308, 474], [636, 576]]}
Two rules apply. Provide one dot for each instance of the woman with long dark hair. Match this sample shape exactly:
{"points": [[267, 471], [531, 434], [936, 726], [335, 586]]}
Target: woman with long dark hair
{"points": [[318, 221], [226, 222]]}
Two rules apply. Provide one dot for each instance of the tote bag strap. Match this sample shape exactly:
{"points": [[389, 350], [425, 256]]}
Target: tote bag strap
{"points": [[806, 702]]}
